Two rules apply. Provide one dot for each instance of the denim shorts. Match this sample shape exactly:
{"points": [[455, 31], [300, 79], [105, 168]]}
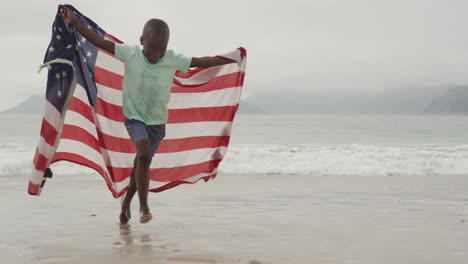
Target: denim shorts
{"points": [[139, 130]]}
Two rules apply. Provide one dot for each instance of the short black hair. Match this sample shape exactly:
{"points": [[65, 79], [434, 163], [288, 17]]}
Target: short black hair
{"points": [[156, 27]]}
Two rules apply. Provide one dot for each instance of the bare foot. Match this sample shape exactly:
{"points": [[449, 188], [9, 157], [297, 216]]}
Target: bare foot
{"points": [[125, 214], [145, 217]]}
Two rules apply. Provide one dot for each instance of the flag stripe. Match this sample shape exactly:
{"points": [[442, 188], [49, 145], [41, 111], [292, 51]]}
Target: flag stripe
{"points": [[108, 78], [217, 83], [48, 132]]}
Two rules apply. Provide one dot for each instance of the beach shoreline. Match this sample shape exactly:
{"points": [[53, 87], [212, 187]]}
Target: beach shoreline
{"points": [[242, 219]]}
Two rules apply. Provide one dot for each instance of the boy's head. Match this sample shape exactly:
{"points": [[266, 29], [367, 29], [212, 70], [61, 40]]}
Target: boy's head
{"points": [[154, 39]]}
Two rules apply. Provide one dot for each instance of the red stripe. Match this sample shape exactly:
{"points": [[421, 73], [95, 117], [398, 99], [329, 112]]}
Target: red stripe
{"points": [[177, 183], [201, 114], [183, 144], [77, 133], [220, 113], [217, 83], [111, 111], [78, 106], [108, 78], [48, 132], [33, 189], [125, 145], [182, 172], [161, 174], [40, 161]]}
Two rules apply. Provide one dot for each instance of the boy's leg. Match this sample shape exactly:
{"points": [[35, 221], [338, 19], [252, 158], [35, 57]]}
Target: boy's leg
{"points": [[143, 162], [125, 214]]}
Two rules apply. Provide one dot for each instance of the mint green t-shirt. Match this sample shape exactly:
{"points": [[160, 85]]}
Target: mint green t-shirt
{"points": [[147, 87]]}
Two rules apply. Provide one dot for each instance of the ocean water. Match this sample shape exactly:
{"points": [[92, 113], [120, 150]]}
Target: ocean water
{"points": [[349, 145]]}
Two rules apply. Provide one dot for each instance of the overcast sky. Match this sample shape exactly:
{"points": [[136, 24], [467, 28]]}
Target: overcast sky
{"points": [[292, 45]]}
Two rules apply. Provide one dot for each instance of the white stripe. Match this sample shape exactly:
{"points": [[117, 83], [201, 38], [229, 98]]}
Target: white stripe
{"points": [[109, 63], [109, 95], [44, 148], [36, 176], [198, 129], [208, 74], [80, 93], [80, 148], [52, 115], [76, 119], [111, 127], [224, 97]]}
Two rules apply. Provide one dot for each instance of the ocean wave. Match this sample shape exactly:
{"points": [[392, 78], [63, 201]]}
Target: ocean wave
{"points": [[344, 160], [347, 160]]}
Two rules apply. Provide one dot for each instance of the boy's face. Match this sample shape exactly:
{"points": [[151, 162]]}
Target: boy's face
{"points": [[154, 47]]}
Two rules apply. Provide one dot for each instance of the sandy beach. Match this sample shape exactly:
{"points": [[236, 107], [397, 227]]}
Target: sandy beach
{"points": [[242, 219]]}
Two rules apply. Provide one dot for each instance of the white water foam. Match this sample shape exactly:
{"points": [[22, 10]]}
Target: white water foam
{"points": [[17, 160], [352, 160], [346, 160]]}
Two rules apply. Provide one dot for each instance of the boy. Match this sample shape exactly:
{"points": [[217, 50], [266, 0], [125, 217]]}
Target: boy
{"points": [[146, 90]]}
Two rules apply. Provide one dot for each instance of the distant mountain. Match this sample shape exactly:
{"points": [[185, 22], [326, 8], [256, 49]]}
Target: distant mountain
{"points": [[454, 101], [32, 105], [35, 105], [400, 101], [406, 100], [312, 102]]}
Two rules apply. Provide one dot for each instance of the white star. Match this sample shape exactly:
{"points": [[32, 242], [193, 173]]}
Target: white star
{"points": [[57, 75], [59, 93], [64, 74], [89, 26], [84, 59], [83, 39], [78, 43], [60, 29], [51, 49], [55, 29], [58, 37], [69, 46], [90, 75], [89, 54]]}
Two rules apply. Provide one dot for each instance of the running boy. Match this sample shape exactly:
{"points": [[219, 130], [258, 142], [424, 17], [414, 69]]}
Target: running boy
{"points": [[146, 90]]}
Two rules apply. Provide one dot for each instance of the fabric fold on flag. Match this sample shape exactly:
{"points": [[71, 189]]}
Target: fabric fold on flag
{"points": [[83, 117]]}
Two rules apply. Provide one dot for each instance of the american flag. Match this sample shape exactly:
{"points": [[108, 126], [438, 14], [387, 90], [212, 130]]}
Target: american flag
{"points": [[83, 120]]}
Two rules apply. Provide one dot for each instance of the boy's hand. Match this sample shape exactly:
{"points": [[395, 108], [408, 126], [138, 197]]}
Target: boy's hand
{"points": [[67, 15]]}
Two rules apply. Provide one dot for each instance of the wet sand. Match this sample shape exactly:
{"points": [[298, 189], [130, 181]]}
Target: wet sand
{"points": [[242, 219]]}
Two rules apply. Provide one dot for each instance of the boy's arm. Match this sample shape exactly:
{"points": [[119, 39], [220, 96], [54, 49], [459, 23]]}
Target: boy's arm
{"points": [[206, 62], [69, 17]]}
